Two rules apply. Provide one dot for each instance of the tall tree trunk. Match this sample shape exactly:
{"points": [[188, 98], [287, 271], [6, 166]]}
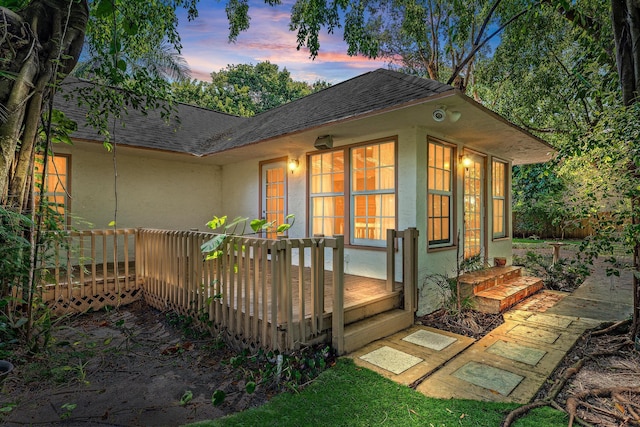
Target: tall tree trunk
{"points": [[42, 42], [625, 16]]}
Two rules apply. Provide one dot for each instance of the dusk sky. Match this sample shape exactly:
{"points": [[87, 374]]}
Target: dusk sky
{"points": [[206, 47]]}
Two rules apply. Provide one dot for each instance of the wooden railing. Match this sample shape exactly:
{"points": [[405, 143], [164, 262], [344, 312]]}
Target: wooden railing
{"points": [[255, 292], [409, 247], [259, 292], [90, 269]]}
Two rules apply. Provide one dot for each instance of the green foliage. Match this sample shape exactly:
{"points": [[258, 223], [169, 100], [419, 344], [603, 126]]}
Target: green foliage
{"points": [[565, 275], [279, 371], [349, 395], [244, 90], [238, 227]]}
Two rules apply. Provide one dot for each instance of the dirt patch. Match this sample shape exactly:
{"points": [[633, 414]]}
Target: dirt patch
{"points": [[125, 367], [468, 322]]}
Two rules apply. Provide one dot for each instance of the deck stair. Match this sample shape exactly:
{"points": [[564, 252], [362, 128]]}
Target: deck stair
{"points": [[495, 289], [375, 319]]}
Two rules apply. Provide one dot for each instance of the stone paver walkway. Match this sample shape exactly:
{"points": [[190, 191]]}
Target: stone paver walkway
{"points": [[512, 362]]}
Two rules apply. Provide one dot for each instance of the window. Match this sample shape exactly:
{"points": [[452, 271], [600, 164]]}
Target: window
{"points": [[369, 198], [327, 193], [440, 194], [56, 184], [499, 194]]}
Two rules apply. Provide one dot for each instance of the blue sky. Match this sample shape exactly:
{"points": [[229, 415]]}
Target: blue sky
{"points": [[206, 47]]}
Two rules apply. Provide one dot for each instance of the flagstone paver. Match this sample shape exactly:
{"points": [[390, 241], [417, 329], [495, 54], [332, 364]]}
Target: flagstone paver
{"points": [[431, 358], [511, 362]]}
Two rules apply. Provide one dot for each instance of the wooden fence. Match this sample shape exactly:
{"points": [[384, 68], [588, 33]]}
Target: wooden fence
{"points": [[256, 291], [90, 269]]}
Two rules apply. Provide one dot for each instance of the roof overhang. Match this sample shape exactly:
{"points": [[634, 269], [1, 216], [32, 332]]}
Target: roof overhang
{"points": [[477, 128]]}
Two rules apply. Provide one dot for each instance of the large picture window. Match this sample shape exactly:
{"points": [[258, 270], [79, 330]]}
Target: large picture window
{"points": [[499, 196], [364, 208], [440, 194]]}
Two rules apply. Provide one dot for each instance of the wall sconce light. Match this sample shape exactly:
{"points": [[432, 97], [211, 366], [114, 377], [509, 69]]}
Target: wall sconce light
{"points": [[465, 160], [293, 164]]}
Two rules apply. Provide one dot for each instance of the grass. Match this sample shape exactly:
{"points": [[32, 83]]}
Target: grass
{"points": [[347, 395]]}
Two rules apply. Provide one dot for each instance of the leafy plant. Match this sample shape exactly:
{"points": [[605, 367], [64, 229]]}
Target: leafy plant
{"points": [[564, 275], [238, 227], [279, 371], [68, 409]]}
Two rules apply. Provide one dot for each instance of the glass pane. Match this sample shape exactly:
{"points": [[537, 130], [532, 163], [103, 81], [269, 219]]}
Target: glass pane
{"points": [[387, 155], [387, 178], [371, 179], [358, 181], [316, 185], [388, 205], [358, 158], [338, 183]]}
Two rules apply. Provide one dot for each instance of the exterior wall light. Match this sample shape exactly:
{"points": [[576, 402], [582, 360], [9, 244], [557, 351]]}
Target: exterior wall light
{"points": [[465, 160], [293, 164]]}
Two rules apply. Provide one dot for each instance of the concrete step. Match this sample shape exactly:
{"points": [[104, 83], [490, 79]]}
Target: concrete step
{"points": [[481, 280], [500, 297], [365, 331]]}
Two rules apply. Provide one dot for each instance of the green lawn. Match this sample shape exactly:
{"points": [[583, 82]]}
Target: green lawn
{"points": [[347, 395]]}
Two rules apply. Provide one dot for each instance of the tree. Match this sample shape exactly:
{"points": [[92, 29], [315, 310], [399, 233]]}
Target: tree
{"points": [[245, 90]]}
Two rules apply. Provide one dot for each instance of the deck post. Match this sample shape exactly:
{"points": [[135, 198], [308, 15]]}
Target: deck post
{"points": [[337, 318], [391, 259], [410, 264]]}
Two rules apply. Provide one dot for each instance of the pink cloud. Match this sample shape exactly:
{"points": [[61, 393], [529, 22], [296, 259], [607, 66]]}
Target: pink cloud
{"points": [[206, 46]]}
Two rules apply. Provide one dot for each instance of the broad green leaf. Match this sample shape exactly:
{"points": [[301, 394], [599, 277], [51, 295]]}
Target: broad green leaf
{"points": [[213, 244], [186, 397], [105, 7], [218, 397], [250, 387], [257, 224], [216, 222]]}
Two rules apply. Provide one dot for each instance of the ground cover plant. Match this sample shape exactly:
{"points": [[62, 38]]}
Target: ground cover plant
{"points": [[348, 395]]}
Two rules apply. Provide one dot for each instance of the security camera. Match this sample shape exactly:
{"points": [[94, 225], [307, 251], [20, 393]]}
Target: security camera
{"points": [[439, 115]]}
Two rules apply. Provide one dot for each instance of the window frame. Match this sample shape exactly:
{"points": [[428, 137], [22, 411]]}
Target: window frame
{"points": [[66, 185], [451, 194], [497, 198], [348, 193]]}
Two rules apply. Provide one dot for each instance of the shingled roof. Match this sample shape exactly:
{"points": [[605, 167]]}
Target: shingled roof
{"points": [[367, 93], [201, 131], [186, 134]]}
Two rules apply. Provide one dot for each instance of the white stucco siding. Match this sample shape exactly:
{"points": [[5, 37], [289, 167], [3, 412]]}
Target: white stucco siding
{"points": [[153, 190], [240, 190]]}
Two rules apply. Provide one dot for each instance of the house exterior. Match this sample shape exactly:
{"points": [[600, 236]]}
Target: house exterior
{"points": [[380, 151]]}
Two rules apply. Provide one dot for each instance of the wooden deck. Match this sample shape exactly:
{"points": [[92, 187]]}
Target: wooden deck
{"points": [[253, 290], [359, 291]]}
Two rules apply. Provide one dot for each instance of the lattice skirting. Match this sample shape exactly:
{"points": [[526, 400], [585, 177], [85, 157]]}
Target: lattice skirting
{"points": [[97, 302]]}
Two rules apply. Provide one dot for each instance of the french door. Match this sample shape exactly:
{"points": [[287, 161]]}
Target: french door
{"points": [[273, 177], [474, 206]]}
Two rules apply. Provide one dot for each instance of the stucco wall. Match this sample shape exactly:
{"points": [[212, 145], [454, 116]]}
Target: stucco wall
{"points": [[152, 191]]}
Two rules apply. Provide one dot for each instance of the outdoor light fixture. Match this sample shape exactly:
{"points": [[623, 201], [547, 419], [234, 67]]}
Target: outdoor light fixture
{"points": [[293, 164], [465, 160], [441, 113]]}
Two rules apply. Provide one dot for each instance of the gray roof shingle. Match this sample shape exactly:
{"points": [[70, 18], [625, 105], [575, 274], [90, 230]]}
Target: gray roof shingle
{"points": [[201, 131], [187, 134], [372, 91]]}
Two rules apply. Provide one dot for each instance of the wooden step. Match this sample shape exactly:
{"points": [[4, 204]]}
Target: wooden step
{"points": [[481, 280], [363, 332], [500, 297], [372, 307]]}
